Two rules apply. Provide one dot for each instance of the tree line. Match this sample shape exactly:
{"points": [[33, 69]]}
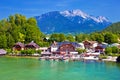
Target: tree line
{"points": [[100, 37], [114, 28], [17, 28]]}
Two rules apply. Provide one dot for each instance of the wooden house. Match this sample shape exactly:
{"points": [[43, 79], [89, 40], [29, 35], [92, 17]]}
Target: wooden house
{"points": [[100, 49], [90, 44], [32, 45], [64, 47], [18, 46]]}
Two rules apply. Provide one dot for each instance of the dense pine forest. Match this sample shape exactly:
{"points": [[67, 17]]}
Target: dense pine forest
{"points": [[18, 28]]}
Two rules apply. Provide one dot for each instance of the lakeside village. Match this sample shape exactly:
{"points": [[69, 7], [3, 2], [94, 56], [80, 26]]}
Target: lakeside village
{"points": [[20, 36], [64, 51]]}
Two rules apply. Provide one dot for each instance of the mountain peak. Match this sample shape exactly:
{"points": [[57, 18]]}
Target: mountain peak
{"points": [[82, 14], [102, 18], [73, 13], [74, 21]]}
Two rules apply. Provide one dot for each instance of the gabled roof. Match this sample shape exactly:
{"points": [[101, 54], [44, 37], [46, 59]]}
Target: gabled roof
{"points": [[100, 47], [91, 42], [115, 44], [33, 44], [58, 44], [2, 51], [20, 44]]}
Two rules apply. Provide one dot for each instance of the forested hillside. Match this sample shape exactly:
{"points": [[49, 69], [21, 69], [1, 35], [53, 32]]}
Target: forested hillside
{"points": [[115, 28]]}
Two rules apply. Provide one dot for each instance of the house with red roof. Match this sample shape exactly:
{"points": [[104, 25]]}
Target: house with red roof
{"points": [[64, 47]]}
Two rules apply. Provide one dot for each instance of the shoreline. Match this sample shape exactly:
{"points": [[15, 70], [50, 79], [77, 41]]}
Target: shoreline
{"points": [[38, 58], [33, 57]]}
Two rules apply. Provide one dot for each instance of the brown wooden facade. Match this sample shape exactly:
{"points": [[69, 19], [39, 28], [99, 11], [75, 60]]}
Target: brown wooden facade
{"points": [[99, 49], [88, 44], [31, 45], [18, 46], [66, 48]]}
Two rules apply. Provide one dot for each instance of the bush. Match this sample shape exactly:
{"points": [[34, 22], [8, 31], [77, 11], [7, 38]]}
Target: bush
{"points": [[9, 51], [23, 51], [39, 51], [28, 52], [103, 57], [16, 52], [112, 51], [108, 50], [115, 55], [80, 50], [115, 49]]}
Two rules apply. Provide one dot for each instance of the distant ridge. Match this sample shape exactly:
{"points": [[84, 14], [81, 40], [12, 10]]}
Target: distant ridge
{"points": [[115, 28], [74, 21]]}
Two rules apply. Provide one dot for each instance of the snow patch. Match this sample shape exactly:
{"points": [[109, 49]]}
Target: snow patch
{"points": [[74, 13], [85, 16]]}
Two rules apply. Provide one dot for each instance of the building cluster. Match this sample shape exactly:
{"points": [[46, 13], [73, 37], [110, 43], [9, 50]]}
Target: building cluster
{"points": [[20, 46], [63, 48]]}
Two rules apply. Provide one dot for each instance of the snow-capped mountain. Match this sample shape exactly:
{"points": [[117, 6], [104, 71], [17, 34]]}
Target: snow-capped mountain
{"points": [[79, 13], [74, 21], [74, 13]]}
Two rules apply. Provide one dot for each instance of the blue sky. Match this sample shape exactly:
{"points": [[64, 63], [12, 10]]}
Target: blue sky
{"points": [[30, 8]]}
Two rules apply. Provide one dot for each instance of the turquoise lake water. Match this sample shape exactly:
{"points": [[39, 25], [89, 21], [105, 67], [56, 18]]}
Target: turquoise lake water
{"points": [[33, 69]]}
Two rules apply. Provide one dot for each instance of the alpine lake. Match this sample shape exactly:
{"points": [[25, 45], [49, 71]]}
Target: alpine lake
{"points": [[19, 68]]}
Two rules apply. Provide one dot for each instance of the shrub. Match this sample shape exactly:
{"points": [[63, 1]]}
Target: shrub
{"points": [[9, 51], [39, 51], [108, 50], [80, 50], [16, 52], [28, 52], [103, 57], [115, 49], [115, 55], [23, 51]]}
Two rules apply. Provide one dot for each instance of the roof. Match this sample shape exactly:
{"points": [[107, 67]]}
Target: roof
{"points": [[99, 47], [58, 44], [91, 42], [20, 44], [115, 44], [102, 45], [2, 51], [33, 44]]}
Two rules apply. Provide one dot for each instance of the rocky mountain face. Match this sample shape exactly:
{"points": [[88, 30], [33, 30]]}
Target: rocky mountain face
{"points": [[74, 21]]}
